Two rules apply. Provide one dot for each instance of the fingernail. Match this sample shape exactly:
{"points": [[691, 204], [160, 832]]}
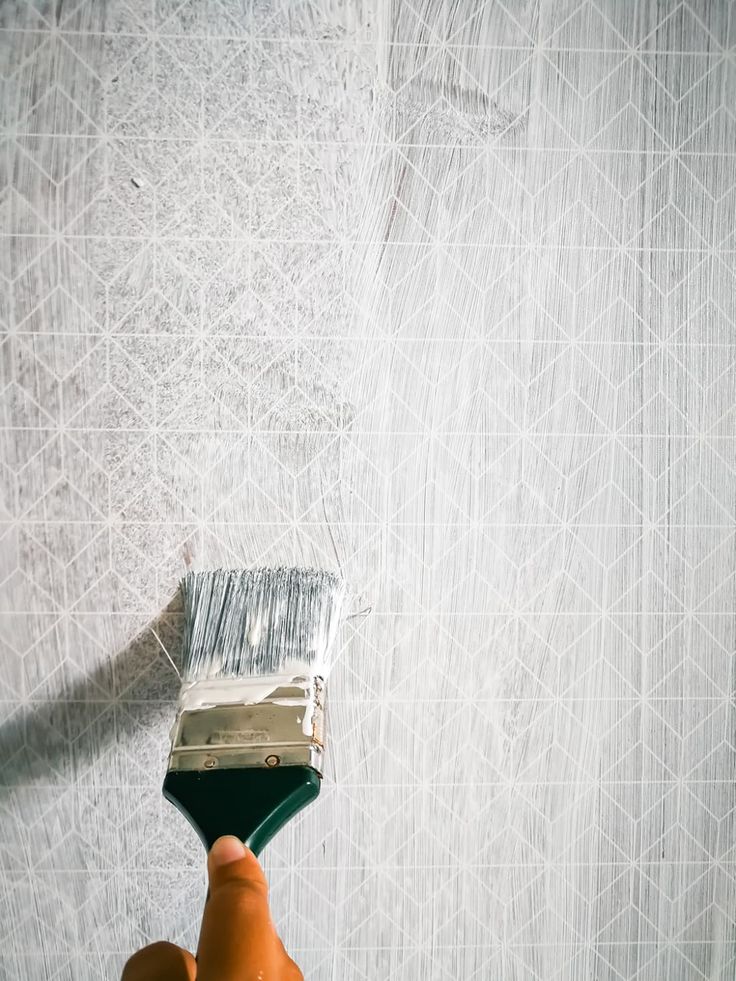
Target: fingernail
{"points": [[227, 849]]}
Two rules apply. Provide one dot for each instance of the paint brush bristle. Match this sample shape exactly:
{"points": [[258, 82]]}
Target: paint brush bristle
{"points": [[259, 622]]}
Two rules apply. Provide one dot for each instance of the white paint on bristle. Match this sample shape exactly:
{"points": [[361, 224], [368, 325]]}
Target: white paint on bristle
{"points": [[198, 695], [240, 691], [245, 623], [254, 634]]}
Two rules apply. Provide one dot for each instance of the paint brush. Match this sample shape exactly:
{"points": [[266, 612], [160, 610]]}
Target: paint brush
{"points": [[247, 744]]}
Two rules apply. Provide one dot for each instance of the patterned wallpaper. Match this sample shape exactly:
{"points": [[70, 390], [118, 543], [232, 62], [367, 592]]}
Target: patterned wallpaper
{"points": [[441, 294]]}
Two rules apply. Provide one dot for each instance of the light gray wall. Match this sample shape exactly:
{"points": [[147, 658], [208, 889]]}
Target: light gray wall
{"points": [[442, 294]]}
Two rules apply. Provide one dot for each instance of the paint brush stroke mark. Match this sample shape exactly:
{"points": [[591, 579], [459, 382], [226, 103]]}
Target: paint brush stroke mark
{"points": [[439, 117]]}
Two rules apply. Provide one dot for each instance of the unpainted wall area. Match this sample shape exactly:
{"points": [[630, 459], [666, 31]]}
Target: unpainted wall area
{"points": [[438, 294]]}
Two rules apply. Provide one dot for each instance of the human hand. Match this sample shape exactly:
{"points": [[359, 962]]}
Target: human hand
{"points": [[237, 941]]}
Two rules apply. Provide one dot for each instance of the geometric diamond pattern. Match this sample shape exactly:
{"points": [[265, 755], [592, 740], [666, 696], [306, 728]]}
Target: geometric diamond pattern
{"points": [[443, 294]]}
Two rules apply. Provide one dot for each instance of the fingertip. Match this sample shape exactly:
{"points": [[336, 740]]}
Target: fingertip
{"points": [[230, 859], [225, 850]]}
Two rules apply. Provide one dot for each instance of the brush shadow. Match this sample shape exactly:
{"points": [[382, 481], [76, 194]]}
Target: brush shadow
{"points": [[59, 740]]}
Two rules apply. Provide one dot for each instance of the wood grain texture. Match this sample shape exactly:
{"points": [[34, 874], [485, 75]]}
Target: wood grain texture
{"points": [[439, 293]]}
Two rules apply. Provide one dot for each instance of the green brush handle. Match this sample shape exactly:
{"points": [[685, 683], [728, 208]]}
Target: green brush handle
{"points": [[252, 803]]}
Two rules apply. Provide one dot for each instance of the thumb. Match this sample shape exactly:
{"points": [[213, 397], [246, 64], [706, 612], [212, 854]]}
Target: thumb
{"points": [[238, 941]]}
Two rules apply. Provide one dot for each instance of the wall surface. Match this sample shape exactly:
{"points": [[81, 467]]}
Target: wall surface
{"points": [[440, 294]]}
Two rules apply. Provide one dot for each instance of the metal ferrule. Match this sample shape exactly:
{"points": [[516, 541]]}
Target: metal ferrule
{"points": [[284, 727]]}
